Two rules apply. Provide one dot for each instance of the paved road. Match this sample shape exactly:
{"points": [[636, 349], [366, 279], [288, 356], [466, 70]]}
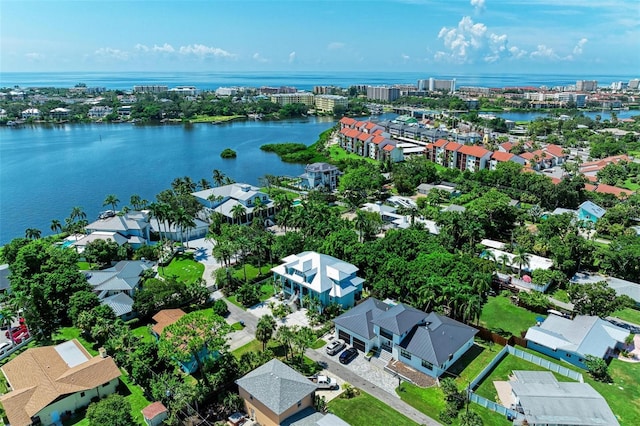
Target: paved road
{"points": [[357, 381]]}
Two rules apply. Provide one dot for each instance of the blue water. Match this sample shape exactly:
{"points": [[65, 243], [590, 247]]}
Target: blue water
{"points": [[47, 170], [301, 80]]}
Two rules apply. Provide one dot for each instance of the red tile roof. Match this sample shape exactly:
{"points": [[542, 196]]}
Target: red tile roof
{"points": [[364, 136], [347, 121], [590, 187], [555, 150], [377, 139], [501, 156], [555, 181], [440, 143], [370, 125], [388, 147], [474, 150], [378, 131], [452, 146], [344, 130], [507, 146], [608, 189], [591, 178], [527, 155], [352, 133]]}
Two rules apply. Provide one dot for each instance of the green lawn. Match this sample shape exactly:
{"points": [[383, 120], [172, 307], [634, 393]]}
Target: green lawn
{"points": [[253, 272], [338, 153], [365, 410], [142, 333], [214, 118], [628, 314], [561, 295], [84, 266], [135, 397], [631, 185], [619, 394], [252, 346], [500, 313], [318, 344], [237, 326], [184, 268]]}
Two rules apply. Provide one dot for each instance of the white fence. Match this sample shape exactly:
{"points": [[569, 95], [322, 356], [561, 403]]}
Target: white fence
{"points": [[8, 352], [564, 371]]}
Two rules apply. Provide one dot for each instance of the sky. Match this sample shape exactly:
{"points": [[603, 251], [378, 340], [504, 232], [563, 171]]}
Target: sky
{"points": [[455, 36]]}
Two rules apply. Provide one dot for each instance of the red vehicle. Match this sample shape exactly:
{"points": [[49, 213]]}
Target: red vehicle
{"points": [[16, 331], [22, 336]]}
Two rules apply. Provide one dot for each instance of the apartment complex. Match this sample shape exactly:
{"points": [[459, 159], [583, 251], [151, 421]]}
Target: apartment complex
{"points": [[327, 103], [293, 98], [150, 89], [586, 85], [383, 93]]}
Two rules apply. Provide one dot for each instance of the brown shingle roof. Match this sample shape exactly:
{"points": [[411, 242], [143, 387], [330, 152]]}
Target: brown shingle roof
{"points": [[39, 376], [153, 409], [165, 318]]}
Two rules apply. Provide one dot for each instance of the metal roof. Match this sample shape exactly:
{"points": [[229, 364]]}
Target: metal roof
{"points": [[358, 320]]}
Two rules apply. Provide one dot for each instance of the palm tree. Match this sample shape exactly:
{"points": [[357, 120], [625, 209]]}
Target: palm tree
{"points": [[264, 329], [32, 233], [77, 213], [238, 211], [204, 184], [218, 177], [521, 258], [111, 200], [137, 202], [56, 226], [504, 259], [285, 335], [186, 222]]}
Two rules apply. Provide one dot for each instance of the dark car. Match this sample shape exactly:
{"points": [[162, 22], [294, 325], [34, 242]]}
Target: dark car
{"points": [[348, 355], [335, 347]]}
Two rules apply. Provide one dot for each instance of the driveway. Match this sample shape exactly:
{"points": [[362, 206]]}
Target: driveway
{"points": [[202, 253]]}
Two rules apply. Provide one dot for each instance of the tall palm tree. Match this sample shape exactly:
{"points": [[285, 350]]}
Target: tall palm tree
{"points": [[77, 213], [32, 233], [521, 258], [111, 200], [238, 211], [218, 177], [56, 226], [504, 259], [265, 329], [204, 184]]}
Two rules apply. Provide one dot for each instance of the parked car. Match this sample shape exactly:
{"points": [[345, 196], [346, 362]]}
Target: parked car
{"points": [[348, 355], [324, 382], [12, 330], [4, 346], [334, 347]]}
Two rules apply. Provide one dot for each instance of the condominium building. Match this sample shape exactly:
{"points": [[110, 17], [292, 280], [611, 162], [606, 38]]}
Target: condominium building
{"points": [[150, 89], [327, 103], [586, 85], [383, 93], [293, 98], [446, 85]]}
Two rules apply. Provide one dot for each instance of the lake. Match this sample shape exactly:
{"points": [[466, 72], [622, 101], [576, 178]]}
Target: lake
{"points": [[46, 170]]}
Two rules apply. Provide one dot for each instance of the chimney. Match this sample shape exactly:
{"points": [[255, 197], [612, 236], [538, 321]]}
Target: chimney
{"points": [[102, 352]]}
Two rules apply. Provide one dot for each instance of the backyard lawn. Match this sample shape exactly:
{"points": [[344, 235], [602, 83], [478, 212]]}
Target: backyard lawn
{"points": [[628, 314], [338, 153], [500, 313], [69, 333], [142, 333], [365, 410], [184, 268]]}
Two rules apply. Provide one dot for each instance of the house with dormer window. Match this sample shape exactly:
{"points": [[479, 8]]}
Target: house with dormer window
{"points": [[427, 342], [223, 199], [318, 276]]}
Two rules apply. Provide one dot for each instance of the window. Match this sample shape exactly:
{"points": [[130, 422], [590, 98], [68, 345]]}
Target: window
{"points": [[405, 354], [568, 355], [250, 396], [427, 364], [384, 333], [81, 394], [299, 403]]}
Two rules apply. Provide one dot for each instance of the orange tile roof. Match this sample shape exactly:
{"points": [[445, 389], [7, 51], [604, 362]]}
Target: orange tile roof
{"points": [[378, 139], [347, 121], [378, 131], [527, 155], [352, 133], [591, 178], [555, 150], [389, 147], [474, 150], [344, 130], [608, 189], [590, 187], [440, 143], [501, 156], [507, 146], [364, 136], [452, 146], [370, 125], [555, 180], [165, 318], [39, 376]]}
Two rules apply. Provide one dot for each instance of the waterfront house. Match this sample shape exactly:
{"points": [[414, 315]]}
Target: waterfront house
{"points": [[80, 241], [52, 382], [31, 113], [133, 225], [543, 400], [571, 340], [223, 199], [274, 392], [174, 232], [320, 276], [60, 113], [320, 175], [429, 343], [99, 112]]}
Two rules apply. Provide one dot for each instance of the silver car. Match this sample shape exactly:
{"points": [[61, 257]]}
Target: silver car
{"points": [[335, 346]]}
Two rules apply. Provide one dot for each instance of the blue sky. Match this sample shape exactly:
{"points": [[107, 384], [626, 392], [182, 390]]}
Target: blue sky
{"points": [[456, 36]]}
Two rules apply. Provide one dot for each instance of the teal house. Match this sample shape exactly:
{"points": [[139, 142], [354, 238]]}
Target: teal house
{"points": [[589, 211]]}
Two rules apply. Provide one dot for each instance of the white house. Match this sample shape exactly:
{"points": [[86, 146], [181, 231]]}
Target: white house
{"points": [[320, 175], [223, 200], [31, 113]]}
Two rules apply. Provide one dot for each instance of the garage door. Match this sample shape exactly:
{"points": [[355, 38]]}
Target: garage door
{"points": [[358, 344], [342, 335]]}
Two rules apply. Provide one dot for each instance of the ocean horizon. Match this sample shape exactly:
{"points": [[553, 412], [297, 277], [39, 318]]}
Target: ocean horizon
{"points": [[301, 80]]}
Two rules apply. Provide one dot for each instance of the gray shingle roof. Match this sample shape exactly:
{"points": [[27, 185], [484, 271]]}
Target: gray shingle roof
{"points": [[400, 319], [120, 303], [358, 320], [320, 167], [276, 385], [438, 339]]}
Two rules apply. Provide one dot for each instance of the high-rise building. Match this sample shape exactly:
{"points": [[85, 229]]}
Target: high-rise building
{"points": [[383, 93], [150, 89], [634, 84], [446, 85], [293, 98], [327, 103], [586, 85]]}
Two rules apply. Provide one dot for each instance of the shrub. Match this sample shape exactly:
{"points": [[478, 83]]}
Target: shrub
{"points": [[228, 153], [598, 369], [248, 294], [220, 308]]}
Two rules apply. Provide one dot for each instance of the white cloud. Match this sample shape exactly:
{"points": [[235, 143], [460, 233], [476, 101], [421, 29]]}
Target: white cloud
{"points": [[111, 53], [292, 57], [471, 42], [478, 4], [165, 48], [335, 45], [544, 52], [577, 50], [405, 57], [201, 51], [257, 57], [141, 47]]}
